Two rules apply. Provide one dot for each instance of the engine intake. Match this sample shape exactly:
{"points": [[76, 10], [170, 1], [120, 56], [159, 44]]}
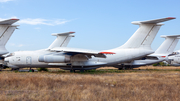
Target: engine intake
{"points": [[54, 59]]}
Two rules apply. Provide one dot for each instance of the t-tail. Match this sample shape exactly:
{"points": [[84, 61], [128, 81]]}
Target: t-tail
{"points": [[168, 46], [6, 30], [62, 39], [145, 34]]}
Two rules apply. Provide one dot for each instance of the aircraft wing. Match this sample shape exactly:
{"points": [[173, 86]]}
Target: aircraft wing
{"points": [[157, 56], [8, 22], [75, 51]]}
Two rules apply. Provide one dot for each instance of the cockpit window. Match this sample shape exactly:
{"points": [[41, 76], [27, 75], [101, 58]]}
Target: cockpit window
{"points": [[175, 53], [11, 54]]}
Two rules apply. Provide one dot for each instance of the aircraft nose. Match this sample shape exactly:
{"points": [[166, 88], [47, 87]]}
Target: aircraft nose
{"points": [[6, 60]]}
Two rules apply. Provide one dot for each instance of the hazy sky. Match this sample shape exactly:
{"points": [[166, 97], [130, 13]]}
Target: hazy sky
{"points": [[99, 24]]}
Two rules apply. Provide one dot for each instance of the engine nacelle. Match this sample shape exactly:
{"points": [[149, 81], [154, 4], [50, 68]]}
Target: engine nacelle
{"points": [[54, 59]]}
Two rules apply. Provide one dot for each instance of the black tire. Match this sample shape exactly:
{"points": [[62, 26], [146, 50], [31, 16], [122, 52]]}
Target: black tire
{"points": [[71, 70], [82, 70]]}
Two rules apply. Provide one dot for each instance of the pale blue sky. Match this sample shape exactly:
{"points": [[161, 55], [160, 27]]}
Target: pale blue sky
{"points": [[99, 24]]}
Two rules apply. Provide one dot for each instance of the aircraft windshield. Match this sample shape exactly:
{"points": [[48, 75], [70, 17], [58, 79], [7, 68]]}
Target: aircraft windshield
{"points": [[11, 54]]}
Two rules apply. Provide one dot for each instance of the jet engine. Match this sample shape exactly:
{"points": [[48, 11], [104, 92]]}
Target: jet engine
{"points": [[54, 59]]}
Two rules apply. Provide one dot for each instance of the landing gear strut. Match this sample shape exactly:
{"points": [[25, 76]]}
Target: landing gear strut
{"points": [[14, 69], [82, 70], [31, 70], [72, 70], [122, 67]]}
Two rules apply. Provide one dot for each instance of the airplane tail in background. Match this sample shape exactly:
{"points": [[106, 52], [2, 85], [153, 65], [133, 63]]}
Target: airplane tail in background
{"points": [[146, 33], [168, 46], [62, 39], [6, 30]]}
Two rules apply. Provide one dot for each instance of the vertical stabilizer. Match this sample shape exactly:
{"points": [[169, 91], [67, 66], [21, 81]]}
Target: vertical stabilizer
{"points": [[145, 34], [168, 46], [6, 30], [62, 39]]}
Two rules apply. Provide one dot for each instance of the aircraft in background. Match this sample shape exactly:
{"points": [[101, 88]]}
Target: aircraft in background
{"points": [[6, 30], [59, 56], [161, 54], [174, 58]]}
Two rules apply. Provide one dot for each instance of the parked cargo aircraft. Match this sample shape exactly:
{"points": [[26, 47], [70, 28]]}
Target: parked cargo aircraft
{"points": [[161, 54], [6, 30], [60, 56], [174, 59]]}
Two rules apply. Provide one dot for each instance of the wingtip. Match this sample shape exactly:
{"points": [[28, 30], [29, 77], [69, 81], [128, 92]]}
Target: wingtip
{"points": [[71, 32], [107, 53], [170, 18], [14, 19]]}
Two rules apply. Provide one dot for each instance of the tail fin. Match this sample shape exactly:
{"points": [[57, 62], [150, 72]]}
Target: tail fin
{"points": [[6, 30], [62, 39], [167, 47], [146, 33]]}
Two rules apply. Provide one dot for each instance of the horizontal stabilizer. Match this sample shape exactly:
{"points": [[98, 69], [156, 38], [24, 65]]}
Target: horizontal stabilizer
{"points": [[175, 36], [152, 21], [62, 34], [8, 22]]}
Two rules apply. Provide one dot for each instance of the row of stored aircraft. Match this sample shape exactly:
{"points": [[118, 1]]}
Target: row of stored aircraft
{"points": [[134, 53]]}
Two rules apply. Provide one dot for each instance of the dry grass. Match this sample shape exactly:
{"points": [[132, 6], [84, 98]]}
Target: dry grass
{"points": [[159, 67], [143, 86], [147, 67]]}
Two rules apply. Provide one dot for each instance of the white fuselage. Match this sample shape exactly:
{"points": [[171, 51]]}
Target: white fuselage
{"points": [[21, 59]]}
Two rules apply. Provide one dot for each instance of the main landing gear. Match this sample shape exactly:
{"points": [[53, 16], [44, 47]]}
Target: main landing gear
{"points": [[125, 67], [13, 69], [31, 70], [72, 70]]}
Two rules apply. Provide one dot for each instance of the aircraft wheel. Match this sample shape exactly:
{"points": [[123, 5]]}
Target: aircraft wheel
{"points": [[71, 70], [14, 69], [82, 70], [31, 70]]}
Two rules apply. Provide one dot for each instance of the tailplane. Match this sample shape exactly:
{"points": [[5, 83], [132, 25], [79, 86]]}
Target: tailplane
{"points": [[145, 34], [62, 39], [168, 46], [6, 30]]}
